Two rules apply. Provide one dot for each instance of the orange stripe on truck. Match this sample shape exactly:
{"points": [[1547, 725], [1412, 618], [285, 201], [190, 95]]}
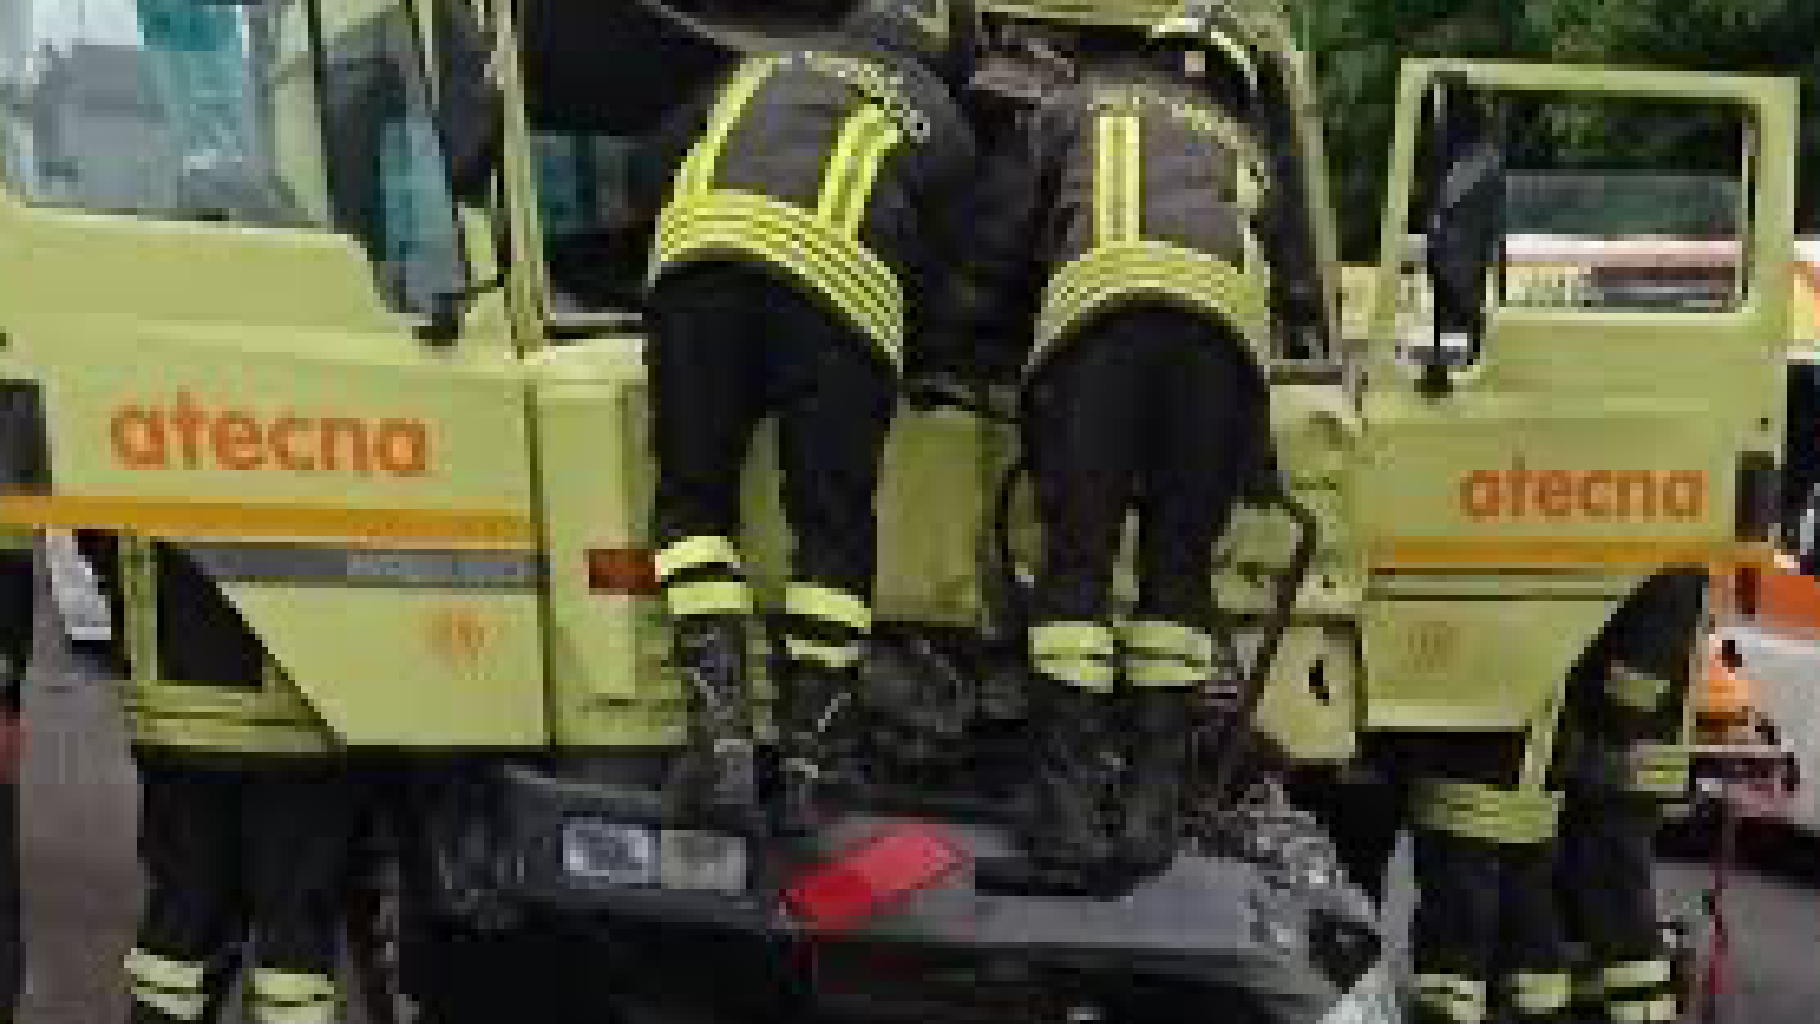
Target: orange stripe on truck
{"points": [[1417, 554], [206, 520]]}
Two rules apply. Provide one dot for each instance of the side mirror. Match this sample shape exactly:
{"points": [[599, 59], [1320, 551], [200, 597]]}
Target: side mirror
{"points": [[470, 109], [1464, 223]]}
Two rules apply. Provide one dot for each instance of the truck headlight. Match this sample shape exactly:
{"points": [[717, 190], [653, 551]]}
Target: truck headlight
{"points": [[610, 852]]}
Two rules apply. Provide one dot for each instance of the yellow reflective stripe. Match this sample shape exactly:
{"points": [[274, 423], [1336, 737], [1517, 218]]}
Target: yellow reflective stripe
{"points": [[1636, 974], [319, 1012], [1084, 638], [1235, 52], [174, 988], [1078, 653], [1105, 220], [809, 601], [697, 173], [18, 538], [1541, 992], [836, 656], [1163, 672], [165, 973], [1250, 189], [1460, 999], [286, 997], [711, 597], [1132, 270], [176, 1005], [1117, 182], [859, 152], [292, 986], [1131, 178], [848, 274], [1086, 673], [1254, 264], [1167, 653], [1170, 638], [1487, 813], [1659, 769], [696, 553], [1637, 690], [1661, 1010], [933, 23], [726, 221]]}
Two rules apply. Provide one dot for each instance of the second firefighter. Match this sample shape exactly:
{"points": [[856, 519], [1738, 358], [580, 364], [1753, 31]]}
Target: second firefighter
{"points": [[1129, 214]]}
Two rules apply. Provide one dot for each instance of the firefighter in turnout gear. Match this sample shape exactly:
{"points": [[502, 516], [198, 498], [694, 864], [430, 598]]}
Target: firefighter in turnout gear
{"points": [[1629, 715], [1129, 213], [1482, 806], [248, 813], [790, 263], [17, 607]]}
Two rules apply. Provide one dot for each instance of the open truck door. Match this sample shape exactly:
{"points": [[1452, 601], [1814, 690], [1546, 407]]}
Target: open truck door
{"points": [[228, 274]]}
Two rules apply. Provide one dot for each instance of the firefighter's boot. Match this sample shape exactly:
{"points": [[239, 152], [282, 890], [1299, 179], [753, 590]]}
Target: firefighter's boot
{"points": [[1160, 736], [815, 733], [711, 657], [1076, 774]]}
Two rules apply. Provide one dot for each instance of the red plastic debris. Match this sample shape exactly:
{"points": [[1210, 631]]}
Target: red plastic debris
{"points": [[874, 875]]}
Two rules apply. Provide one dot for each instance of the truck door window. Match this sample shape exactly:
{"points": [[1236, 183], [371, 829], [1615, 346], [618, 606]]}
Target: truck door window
{"points": [[601, 79], [296, 114], [1590, 221]]}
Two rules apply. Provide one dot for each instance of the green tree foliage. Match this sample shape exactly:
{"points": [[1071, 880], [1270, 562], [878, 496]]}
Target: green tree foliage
{"points": [[1359, 43]]}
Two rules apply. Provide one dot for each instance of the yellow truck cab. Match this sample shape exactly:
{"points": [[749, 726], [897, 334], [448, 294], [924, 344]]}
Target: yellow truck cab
{"points": [[356, 344]]}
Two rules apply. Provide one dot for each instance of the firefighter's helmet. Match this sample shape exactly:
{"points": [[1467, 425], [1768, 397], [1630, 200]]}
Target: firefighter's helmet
{"points": [[944, 34], [1214, 29]]}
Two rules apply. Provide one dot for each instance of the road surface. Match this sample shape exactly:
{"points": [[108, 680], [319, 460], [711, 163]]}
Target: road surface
{"points": [[81, 884]]}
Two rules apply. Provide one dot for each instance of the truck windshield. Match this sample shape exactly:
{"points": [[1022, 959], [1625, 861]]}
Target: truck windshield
{"points": [[284, 113]]}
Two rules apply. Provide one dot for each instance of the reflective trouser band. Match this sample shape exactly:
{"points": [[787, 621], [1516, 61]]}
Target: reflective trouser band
{"points": [[851, 277], [710, 597], [1659, 1010], [1457, 998], [1638, 691], [1662, 770], [17, 538], [1167, 654], [175, 988], [1135, 270], [825, 604], [1477, 811], [865, 140], [835, 656], [692, 553], [1077, 653], [1541, 992], [283, 997], [1635, 974]]}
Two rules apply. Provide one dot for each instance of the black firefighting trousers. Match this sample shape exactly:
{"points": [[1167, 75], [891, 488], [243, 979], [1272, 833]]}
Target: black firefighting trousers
{"points": [[731, 345], [1627, 711], [17, 589], [245, 867], [1149, 410], [1486, 928]]}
